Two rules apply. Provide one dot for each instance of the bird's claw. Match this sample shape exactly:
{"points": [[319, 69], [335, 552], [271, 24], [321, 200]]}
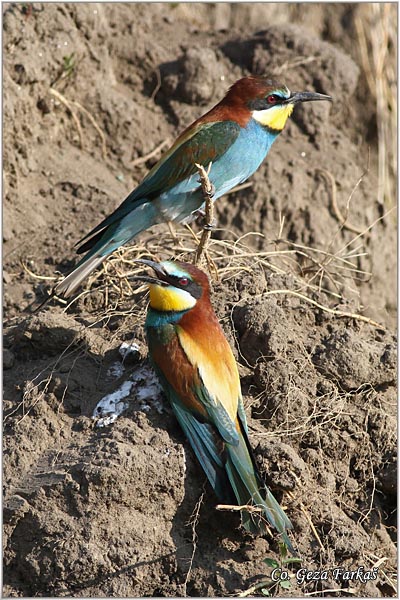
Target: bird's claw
{"points": [[211, 191], [210, 226], [200, 216], [199, 213]]}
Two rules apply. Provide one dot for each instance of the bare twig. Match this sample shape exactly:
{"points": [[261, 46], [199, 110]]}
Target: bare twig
{"points": [[308, 518], [67, 104], [208, 193], [158, 85], [34, 275], [254, 588], [342, 219], [331, 591], [332, 311], [146, 157], [239, 188], [95, 125], [194, 519], [234, 507]]}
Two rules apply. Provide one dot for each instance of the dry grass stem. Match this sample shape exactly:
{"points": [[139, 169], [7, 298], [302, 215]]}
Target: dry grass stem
{"points": [[340, 591], [239, 188], [308, 518], [387, 213], [193, 521], [230, 258], [340, 217], [208, 193], [35, 275], [376, 562], [158, 84], [143, 159], [234, 507], [68, 104], [332, 311], [95, 125], [376, 29]]}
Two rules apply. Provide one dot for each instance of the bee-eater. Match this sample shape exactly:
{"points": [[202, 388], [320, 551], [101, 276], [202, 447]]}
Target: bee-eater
{"points": [[199, 375], [234, 137]]}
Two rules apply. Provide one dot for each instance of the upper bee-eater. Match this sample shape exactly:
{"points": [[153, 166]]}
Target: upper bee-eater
{"points": [[199, 375], [234, 137]]}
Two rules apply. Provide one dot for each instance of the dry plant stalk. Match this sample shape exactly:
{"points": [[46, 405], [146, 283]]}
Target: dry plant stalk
{"points": [[68, 104], [375, 25], [235, 507], [142, 159], [340, 217], [231, 258], [208, 193], [193, 521]]}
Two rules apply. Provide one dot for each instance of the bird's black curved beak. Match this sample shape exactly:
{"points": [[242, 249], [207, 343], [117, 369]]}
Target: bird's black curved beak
{"points": [[297, 97], [157, 268]]}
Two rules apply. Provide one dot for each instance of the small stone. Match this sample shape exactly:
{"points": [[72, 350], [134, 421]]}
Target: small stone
{"points": [[8, 359], [43, 106]]}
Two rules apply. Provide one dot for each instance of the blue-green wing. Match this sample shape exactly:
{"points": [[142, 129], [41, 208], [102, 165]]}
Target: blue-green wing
{"points": [[202, 144], [205, 440], [217, 414]]}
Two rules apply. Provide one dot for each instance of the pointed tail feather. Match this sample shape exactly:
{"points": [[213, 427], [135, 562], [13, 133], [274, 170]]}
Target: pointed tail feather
{"points": [[231, 469], [208, 447], [250, 490], [72, 281], [115, 231]]}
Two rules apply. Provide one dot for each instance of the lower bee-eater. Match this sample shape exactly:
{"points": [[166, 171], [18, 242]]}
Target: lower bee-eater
{"points": [[234, 137], [199, 375]]}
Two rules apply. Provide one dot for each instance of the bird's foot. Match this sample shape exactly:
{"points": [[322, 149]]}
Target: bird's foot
{"points": [[210, 226], [199, 213], [200, 216], [211, 191]]}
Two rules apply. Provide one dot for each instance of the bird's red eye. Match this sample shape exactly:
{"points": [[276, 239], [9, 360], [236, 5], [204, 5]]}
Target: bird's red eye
{"points": [[183, 281], [271, 99]]}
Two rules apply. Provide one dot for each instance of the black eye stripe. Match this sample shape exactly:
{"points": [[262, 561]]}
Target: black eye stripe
{"points": [[194, 290], [192, 287], [263, 104], [258, 104]]}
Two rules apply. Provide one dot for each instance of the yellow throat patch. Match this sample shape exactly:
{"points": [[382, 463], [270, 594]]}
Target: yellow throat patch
{"points": [[169, 298], [274, 117]]}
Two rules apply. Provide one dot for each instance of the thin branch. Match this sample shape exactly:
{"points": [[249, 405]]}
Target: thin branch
{"points": [[158, 85], [146, 157], [95, 125], [239, 188], [308, 518], [342, 219], [234, 507], [193, 521], [254, 588], [331, 591], [67, 104], [332, 311], [208, 193]]}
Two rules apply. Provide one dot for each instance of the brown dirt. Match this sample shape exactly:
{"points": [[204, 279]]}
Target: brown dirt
{"points": [[108, 511]]}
